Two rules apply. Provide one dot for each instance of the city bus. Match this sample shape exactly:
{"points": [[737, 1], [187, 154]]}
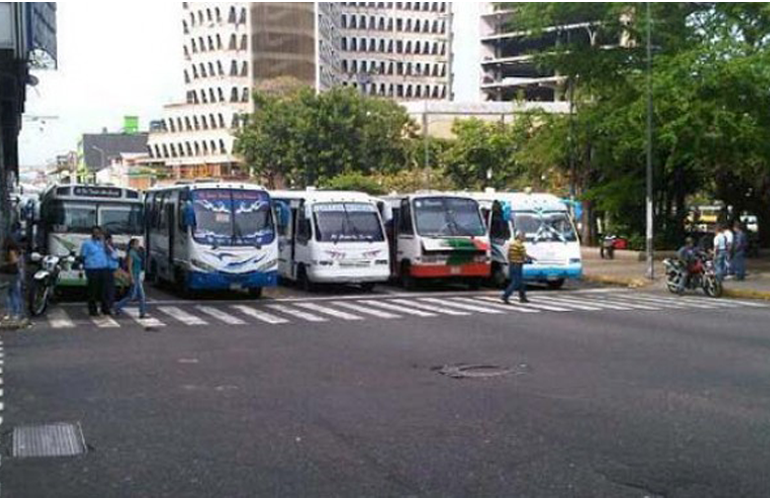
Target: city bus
{"points": [[436, 236], [549, 231], [211, 236], [68, 212], [331, 237]]}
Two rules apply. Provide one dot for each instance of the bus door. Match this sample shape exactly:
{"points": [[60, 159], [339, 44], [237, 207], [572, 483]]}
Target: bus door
{"points": [[285, 215], [169, 207]]}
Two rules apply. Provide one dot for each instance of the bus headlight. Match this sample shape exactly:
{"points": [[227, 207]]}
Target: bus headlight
{"points": [[382, 262], [324, 263], [202, 266], [574, 261], [481, 259]]}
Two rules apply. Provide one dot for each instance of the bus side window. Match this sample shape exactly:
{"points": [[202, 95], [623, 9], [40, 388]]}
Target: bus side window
{"points": [[499, 227], [485, 213], [405, 219], [162, 215]]}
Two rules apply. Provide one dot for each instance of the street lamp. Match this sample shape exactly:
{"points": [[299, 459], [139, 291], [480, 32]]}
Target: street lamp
{"points": [[650, 214]]}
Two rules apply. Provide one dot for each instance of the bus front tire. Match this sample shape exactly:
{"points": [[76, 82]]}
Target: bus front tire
{"points": [[556, 284], [304, 280], [367, 287], [255, 292], [407, 280]]}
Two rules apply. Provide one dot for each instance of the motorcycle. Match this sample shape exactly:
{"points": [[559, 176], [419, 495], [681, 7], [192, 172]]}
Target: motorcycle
{"points": [[43, 283], [607, 248], [702, 274]]}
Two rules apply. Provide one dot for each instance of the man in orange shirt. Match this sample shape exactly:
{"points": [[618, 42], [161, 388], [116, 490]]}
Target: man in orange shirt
{"points": [[517, 256]]}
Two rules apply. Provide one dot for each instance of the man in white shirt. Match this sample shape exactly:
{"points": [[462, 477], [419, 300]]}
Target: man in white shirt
{"points": [[729, 255], [720, 252]]}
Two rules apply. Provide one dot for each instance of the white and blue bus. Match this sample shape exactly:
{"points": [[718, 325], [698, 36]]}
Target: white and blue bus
{"points": [[212, 236], [550, 235]]}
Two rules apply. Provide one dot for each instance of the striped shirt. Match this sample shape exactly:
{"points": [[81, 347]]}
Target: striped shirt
{"points": [[517, 253]]}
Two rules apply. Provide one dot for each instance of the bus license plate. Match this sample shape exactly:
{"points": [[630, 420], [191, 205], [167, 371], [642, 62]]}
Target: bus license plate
{"points": [[455, 270], [236, 287]]}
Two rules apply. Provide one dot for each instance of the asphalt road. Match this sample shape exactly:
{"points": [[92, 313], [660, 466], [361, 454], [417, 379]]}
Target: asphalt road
{"points": [[608, 393]]}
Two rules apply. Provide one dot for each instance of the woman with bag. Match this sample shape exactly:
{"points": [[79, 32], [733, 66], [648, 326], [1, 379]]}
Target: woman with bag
{"points": [[135, 265]]}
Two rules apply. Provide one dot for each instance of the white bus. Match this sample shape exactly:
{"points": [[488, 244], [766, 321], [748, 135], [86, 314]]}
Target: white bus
{"points": [[331, 237], [550, 234], [437, 236], [67, 213], [212, 236]]}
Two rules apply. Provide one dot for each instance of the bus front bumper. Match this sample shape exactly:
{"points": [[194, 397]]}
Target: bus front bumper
{"points": [[471, 270], [534, 272], [198, 280]]}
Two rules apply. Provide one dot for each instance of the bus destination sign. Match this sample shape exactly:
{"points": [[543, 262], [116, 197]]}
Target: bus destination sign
{"points": [[98, 191]]}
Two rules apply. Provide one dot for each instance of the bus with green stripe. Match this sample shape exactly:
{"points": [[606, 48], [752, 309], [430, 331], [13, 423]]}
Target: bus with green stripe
{"points": [[436, 236], [68, 212]]}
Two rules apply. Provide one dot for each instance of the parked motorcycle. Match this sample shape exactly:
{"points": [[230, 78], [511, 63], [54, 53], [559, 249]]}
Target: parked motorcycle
{"points": [[43, 283], [702, 275], [607, 249]]}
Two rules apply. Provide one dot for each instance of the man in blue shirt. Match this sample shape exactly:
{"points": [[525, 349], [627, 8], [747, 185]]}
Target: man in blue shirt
{"points": [[95, 262]]}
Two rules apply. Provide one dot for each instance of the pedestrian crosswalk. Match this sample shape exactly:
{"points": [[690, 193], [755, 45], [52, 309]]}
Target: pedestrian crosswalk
{"points": [[357, 309]]}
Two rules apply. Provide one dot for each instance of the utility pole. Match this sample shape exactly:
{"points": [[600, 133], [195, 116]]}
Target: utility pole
{"points": [[650, 214]]}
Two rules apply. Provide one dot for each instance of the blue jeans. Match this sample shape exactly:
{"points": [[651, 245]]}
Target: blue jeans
{"points": [[739, 265], [516, 274], [135, 293], [13, 302], [720, 265]]}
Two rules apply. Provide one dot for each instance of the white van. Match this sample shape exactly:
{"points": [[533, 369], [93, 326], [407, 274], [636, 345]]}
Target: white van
{"points": [[550, 234], [437, 236], [331, 237]]}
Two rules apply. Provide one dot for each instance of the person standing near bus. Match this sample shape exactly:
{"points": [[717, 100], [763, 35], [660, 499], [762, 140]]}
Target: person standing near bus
{"points": [[135, 265], [740, 245], [94, 255], [517, 256], [720, 252], [113, 263], [11, 268]]}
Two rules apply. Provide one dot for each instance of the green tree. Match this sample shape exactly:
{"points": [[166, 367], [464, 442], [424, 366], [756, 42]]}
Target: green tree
{"points": [[301, 138]]}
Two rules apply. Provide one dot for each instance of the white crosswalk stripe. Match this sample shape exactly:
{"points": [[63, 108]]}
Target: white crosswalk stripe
{"points": [[431, 308], [329, 311], [58, 318], [534, 306], [499, 305], [636, 304], [579, 305], [599, 302], [668, 302], [462, 306], [367, 310], [149, 322], [260, 315], [395, 307], [104, 322], [297, 313], [183, 316], [220, 315]]}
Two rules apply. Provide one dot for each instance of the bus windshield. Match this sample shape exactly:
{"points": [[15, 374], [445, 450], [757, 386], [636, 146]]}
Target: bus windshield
{"points": [[232, 217], [347, 222], [80, 217], [545, 226], [440, 217], [121, 219]]}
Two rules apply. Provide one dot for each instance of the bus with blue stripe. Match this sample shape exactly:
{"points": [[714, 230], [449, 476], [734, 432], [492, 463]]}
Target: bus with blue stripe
{"points": [[550, 235], [212, 236]]}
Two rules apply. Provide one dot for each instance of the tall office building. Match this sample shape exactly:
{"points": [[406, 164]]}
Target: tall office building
{"points": [[508, 68], [228, 49], [397, 49]]}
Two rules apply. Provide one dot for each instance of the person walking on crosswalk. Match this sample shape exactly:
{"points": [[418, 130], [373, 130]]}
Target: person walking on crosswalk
{"points": [[517, 256], [135, 266]]}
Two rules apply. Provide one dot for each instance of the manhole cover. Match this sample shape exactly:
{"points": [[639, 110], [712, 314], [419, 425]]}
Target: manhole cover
{"points": [[481, 370], [48, 440]]}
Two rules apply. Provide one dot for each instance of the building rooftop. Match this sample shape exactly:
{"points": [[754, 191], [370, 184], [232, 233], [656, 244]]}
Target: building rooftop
{"points": [[98, 149]]}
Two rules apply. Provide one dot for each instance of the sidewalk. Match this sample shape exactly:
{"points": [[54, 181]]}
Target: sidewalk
{"points": [[627, 270]]}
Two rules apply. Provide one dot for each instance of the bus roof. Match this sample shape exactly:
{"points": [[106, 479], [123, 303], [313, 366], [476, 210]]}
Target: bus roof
{"points": [[90, 191], [324, 196], [393, 198], [525, 201], [209, 185]]}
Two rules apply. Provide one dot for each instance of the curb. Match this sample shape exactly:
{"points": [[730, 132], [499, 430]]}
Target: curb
{"points": [[617, 280], [745, 294]]}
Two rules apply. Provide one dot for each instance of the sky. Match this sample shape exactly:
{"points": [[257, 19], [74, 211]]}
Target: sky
{"points": [[116, 59]]}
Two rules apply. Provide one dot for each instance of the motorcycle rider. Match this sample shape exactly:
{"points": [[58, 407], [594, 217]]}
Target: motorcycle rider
{"points": [[688, 254]]}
